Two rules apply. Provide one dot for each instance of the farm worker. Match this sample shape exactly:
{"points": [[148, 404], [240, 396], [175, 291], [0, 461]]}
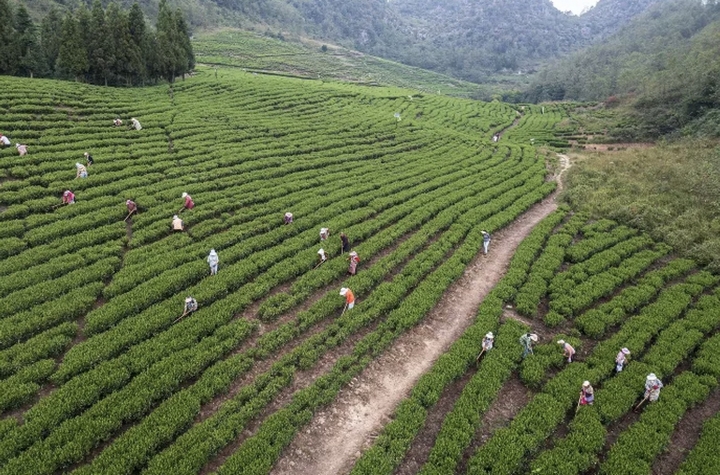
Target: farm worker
{"points": [[568, 350], [135, 123], [321, 256], [89, 158], [345, 244], [22, 149], [496, 137], [131, 206], [190, 305], [487, 341], [117, 122], [354, 261], [526, 341], [486, 241], [288, 218], [81, 171], [177, 224], [213, 261], [4, 141], [349, 298], [324, 233], [652, 387], [587, 394], [621, 359], [189, 203], [68, 198]]}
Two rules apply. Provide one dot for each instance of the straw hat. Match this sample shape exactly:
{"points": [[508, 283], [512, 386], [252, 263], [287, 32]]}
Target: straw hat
{"points": [[561, 342], [489, 335], [625, 351], [533, 337], [586, 384], [184, 194]]}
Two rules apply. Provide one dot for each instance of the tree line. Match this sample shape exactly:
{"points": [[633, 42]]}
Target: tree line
{"points": [[107, 46]]}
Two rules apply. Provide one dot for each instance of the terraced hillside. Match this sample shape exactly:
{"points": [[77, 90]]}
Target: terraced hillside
{"points": [[97, 375], [599, 286]]}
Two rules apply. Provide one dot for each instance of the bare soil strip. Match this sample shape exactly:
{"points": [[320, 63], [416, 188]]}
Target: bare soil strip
{"points": [[686, 435], [335, 438]]}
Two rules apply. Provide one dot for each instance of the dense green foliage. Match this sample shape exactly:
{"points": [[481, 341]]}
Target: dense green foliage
{"points": [[100, 46], [482, 41], [664, 319], [671, 191], [664, 63], [90, 302]]}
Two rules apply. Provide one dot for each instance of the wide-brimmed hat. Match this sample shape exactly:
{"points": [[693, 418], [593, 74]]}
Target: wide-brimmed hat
{"points": [[489, 335], [561, 342], [651, 376], [586, 384], [344, 291], [175, 216], [321, 251], [188, 299], [625, 351], [184, 194], [533, 337]]}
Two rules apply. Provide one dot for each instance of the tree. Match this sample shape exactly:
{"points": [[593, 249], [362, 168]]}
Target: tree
{"points": [[139, 48], [128, 65], [101, 53], [72, 56], [187, 56], [7, 32], [27, 47], [50, 34], [168, 52], [175, 54]]}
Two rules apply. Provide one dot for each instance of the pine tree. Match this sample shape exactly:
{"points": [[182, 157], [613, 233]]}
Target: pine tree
{"points": [[72, 56], [101, 53], [139, 50], [50, 33], [168, 51], [127, 56], [7, 33], [30, 60], [187, 59]]}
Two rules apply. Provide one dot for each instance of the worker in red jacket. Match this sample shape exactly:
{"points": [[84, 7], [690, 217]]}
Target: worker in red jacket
{"points": [[189, 203]]}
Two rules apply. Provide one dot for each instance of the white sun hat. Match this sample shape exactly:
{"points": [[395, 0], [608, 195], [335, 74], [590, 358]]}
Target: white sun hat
{"points": [[651, 377], [586, 384], [625, 351], [344, 291], [489, 335]]}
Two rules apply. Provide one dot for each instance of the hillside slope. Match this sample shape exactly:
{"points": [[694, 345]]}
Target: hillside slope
{"points": [[469, 40], [665, 63]]}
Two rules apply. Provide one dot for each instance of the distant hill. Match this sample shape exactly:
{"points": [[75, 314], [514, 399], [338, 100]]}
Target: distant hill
{"points": [[476, 37], [469, 39], [665, 63]]}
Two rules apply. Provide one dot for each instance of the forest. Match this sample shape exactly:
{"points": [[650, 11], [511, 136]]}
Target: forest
{"points": [[108, 46]]}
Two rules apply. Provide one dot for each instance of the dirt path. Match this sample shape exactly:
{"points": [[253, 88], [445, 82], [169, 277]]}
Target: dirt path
{"points": [[686, 435], [339, 433]]}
